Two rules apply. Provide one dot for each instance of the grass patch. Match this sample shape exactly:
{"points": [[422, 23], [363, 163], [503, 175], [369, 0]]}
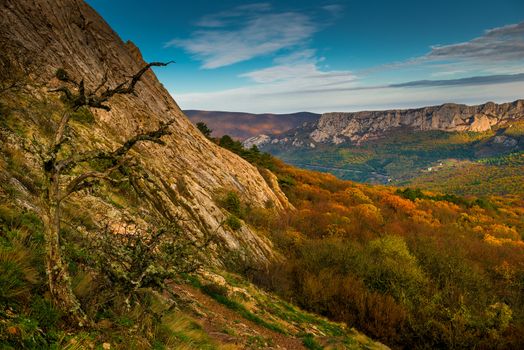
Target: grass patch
{"points": [[218, 294], [310, 343]]}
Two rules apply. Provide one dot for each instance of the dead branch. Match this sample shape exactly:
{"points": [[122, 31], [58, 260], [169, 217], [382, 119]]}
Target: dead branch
{"points": [[95, 100]]}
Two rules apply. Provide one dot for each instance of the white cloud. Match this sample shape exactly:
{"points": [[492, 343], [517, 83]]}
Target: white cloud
{"points": [[305, 55], [299, 81], [244, 33], [498, 51], [334, 9], [263, 99], [300, 76]]}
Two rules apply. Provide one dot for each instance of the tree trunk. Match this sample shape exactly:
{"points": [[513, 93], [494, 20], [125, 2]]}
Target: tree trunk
{"points": [[56, 268]]}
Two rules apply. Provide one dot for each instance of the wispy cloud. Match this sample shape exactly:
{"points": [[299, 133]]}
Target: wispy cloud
{"points": [[335, 10], [264, 98], [480, 80], [489, 67], [300, 76], [225, 18], [469, 81], [245, 32], [499, 44], [498, 51]]}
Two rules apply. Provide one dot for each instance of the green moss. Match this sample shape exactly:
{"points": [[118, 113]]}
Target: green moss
{"points": [[83, 115]]}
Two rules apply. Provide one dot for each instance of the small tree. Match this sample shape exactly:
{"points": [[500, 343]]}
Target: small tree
{"points": [[140, 258], [66, 174], [204, 129]]}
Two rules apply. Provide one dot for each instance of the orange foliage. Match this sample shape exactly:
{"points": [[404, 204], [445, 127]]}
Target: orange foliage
{"points": [[470, 257], [398, 204]]}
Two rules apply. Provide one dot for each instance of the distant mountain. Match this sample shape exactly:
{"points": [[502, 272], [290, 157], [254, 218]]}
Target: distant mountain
{"points": [[244, 125], [400, 146], [357, 127]]}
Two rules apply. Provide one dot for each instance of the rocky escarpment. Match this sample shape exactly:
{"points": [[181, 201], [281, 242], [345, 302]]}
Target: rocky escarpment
{"points": [[40, 36], [358, 127]]}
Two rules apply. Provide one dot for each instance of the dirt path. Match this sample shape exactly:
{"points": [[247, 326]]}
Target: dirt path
{"points": [[228, 327]]}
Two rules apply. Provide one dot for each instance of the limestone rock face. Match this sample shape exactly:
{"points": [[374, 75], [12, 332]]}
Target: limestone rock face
{"points": [[360, 126], [190, 170], [256, 141], [357, 127]]}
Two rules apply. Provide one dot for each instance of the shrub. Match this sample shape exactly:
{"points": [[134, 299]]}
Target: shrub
{"points": [[391, 268], [145, 258], [204, 129], [233, 222], [44, 312], [214, 290], [231, 202], [310, 343]]}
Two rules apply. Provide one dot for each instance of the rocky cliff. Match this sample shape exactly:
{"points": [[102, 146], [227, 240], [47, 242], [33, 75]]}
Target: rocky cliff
{"points": [[358, 127], [38, 37]]}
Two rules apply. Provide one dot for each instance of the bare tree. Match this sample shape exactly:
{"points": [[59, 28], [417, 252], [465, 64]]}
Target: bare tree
{"points": [[61, 183]]}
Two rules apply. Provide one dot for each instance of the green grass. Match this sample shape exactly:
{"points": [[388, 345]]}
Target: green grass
{"points": [[219, 296], [310, 343]]}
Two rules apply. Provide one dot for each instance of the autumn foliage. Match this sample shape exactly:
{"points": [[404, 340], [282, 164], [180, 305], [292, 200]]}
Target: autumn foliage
{"points": [[411, 268]]}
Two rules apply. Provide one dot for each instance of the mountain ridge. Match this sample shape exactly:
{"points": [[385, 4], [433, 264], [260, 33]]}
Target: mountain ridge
{"points": [[358, 127], [243, 125]]}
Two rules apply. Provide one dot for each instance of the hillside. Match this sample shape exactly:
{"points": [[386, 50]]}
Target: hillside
{"points": [[245, 125], [414, 269]]}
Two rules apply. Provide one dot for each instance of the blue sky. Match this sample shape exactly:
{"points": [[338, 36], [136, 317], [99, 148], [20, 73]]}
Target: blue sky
{"points": [[320, 56]]}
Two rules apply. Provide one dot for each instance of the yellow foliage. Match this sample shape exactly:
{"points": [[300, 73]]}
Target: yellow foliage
{"points": [[503, 231], [368, 213], [500, 241]]}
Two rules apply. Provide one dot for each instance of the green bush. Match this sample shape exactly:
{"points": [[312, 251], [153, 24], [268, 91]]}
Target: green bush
{"points": [[231, 202], [286, 181], [252, 155], [214, 289], [310, 343], [391, 268], [204, 129], [233, 222]]}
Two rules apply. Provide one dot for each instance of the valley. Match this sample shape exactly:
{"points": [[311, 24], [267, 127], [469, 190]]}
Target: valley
{"points": [[404, 156]]}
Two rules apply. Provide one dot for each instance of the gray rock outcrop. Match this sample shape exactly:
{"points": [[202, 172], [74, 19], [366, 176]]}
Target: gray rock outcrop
{"points": [[358, 127], [189, 171]]}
